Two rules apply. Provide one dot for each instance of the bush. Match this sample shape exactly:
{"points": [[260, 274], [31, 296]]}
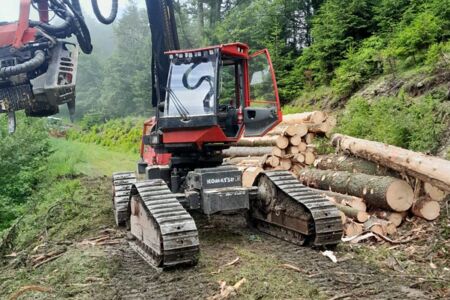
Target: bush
{"points": [[396, 121], [118, 134], [23, 159], [360, 65]]}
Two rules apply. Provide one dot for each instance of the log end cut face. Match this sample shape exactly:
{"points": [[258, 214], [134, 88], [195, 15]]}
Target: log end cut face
{"points": [[400, 196]]}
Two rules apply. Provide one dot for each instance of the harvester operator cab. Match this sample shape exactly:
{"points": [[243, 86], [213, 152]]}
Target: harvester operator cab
{"points": [[218, 94]]}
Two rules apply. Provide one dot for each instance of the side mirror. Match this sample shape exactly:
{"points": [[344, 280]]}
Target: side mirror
{"points": [[161, 106]]}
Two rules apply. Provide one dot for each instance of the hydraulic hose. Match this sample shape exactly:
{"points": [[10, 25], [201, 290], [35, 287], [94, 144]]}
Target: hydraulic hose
{"points": [[59, 31], [30, 65], [112, 15]]}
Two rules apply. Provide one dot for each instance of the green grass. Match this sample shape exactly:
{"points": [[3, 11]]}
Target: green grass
{"points": [[72, 157]]}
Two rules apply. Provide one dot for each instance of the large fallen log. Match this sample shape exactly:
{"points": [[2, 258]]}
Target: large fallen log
{"points": [[246, 151], [377, 191], [257, 141], [351, 164], [427, 168]]}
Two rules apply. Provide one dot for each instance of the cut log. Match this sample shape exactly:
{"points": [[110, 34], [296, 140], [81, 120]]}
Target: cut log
{"points": [[309, 157], [257, 141], [395, 218], [246, 151], [355, 202], [427, 168], [282, 142], [322, 128], [299, 158], [289, 130], [434, 193], [292, 150], [295, 140], [377, 191], [353, 229], [278, 152], [255, 160], [309, 138], [426, 209], [285, 163], [343, 217], [273, 161], [249, 176], [376, 226], [296, 169], [302, 147], [315, 117], [360, 216], [351, 164]]}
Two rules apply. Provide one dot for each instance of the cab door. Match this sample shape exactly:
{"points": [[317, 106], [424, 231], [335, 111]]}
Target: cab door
{"points": [[262, 111]]}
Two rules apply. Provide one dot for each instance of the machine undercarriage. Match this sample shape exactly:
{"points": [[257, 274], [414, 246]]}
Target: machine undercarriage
{"points": [[165, 235]]}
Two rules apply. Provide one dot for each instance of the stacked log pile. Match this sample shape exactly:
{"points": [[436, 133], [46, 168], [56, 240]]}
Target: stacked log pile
{"points": [[392, 183], [375, 186], [289, 146]]}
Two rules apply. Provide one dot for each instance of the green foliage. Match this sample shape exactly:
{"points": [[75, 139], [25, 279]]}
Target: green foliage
{"points": [[23, 157], [438, 56], [118, 134], [395, 120], [417, 36], [360, 65]]}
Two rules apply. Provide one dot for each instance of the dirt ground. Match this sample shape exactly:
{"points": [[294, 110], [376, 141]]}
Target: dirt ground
{"points": [[115, 271]]}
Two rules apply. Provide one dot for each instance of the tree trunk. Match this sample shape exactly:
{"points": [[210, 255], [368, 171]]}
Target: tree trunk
{"points": [[427, 168], [289, 130], [427, 209], [351, 164], [381, 192], [246, 151], [257, 141], [295, 140]]}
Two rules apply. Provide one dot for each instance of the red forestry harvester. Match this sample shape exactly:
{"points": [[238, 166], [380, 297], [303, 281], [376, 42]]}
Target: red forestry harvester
{"points": [[205, 100]]}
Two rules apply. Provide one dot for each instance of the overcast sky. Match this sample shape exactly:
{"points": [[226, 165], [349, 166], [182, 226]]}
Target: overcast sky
{"points": [[9, 10]]}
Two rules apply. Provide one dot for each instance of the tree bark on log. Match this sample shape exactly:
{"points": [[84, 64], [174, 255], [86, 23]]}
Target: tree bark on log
{"points": [[352, 201], [246, 151], [381, 192], [289, 129], [426, 209], [427, 168], [315, 117], [257, 141], [351, 164]]}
